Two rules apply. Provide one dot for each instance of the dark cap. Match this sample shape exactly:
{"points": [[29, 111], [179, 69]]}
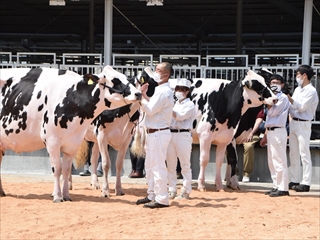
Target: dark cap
{"points": [[277, 77]]}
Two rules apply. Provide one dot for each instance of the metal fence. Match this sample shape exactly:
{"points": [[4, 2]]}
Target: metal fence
{"points": [[231, 67]]}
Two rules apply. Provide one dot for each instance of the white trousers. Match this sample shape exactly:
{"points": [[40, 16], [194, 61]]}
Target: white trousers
{"points": [[155, 165], [277, 158], [299, 143], [179, 147]]}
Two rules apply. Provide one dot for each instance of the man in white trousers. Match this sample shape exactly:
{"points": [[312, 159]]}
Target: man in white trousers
{"points": [[158, 111], [304, 103], [276, 139], [180, 146]]}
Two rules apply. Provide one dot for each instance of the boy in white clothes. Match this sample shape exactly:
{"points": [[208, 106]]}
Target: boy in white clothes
{"points": [[180, 146], [276, 139]]}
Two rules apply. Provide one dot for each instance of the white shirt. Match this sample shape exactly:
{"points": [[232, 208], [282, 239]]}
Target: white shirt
{"points": [[159, 108], [185, 114], [305, 102], [277, 115]]}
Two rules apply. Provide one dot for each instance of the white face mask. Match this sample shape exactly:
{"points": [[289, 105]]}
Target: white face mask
{"points": [[299, 81], [275, 88], [157, 77], [180, 95]]}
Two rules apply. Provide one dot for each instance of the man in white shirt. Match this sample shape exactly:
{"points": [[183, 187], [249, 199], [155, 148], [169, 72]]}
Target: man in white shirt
{"points": [[276, 139], [158, 109], [304, 103]]}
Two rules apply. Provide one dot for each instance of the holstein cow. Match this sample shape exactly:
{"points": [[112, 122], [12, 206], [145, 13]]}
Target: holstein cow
{"points": [[114, 128], [244, 128], [220, 105], [53, 108]]}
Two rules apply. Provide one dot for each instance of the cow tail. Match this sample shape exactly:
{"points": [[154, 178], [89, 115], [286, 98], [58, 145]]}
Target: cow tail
{"points": [[82, 155], [138, 143]]}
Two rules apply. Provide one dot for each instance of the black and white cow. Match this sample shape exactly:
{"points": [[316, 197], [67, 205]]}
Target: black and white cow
{"points": [[220, 105], [245, 126], [114, 128], [53, 108]]}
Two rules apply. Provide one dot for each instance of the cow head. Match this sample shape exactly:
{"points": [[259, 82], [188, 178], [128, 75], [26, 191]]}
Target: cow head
{"points": [[266, 74], [257, 90], [117, 89], [145, 77]]}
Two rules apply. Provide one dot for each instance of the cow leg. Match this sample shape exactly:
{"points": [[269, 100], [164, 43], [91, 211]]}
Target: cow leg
{"points": [[94, 165], [70, 180], [220, 152], [66, 173], [106, 163], [56, 170], [231, 177], [204, 160], [2, 193]]}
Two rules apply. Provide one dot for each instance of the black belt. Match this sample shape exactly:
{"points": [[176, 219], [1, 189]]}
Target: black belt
{"points": [[179, 130], [300, 120], [151, 130], [272, 128]]}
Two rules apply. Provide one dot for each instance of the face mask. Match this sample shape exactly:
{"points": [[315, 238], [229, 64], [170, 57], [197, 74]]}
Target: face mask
{"points": [[157, 77], [299, 81], [276, 88], [180, 95]]}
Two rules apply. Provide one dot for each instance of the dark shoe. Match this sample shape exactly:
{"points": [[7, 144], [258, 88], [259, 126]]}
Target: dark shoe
{"points": [[155, 205], [302, 188], [99, 174], [137, 174], [279, 193], [143, 201], [132, 172], [271, 191], [85, 173], [292, 185], [179, 176]]}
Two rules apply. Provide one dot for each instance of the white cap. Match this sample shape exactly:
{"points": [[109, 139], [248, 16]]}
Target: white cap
{"points": [[184, 82]]}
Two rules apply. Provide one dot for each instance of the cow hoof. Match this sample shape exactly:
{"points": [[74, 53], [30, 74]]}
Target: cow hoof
{"points": [[2, 194], [202, 189], [120, 194], [97, 187], [67, 199], [59, 200], [106, 195]]}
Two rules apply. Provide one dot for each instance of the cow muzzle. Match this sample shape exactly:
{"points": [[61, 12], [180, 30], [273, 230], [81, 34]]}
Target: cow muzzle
{"points": [[138, 95]]}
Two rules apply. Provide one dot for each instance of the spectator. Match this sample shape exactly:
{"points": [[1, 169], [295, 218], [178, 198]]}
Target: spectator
{"points": [[158, 110], [304, 102], [276, 139], [248, 146], [181, 142]]}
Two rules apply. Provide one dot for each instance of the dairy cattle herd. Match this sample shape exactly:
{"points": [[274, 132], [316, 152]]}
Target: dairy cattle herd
{"points": [[57, 109]]}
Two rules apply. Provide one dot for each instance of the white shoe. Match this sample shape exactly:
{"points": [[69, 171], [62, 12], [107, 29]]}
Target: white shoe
{"points": [[172, 195], [245, 179], [183, 194]]}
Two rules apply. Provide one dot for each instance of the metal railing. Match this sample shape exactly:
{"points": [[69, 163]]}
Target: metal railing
{"points": [[231, 67]]}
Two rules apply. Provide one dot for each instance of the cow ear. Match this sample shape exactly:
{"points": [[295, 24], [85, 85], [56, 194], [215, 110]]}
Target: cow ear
{"points": [[246, 82], [149, 71], [90, 79]]}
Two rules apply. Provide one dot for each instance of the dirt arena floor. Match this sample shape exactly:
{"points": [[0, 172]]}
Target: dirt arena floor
{"points": [[27, 212]]}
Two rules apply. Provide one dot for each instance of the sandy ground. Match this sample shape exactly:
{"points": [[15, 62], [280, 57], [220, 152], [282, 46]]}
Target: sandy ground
{"points": [[27, 212]]}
